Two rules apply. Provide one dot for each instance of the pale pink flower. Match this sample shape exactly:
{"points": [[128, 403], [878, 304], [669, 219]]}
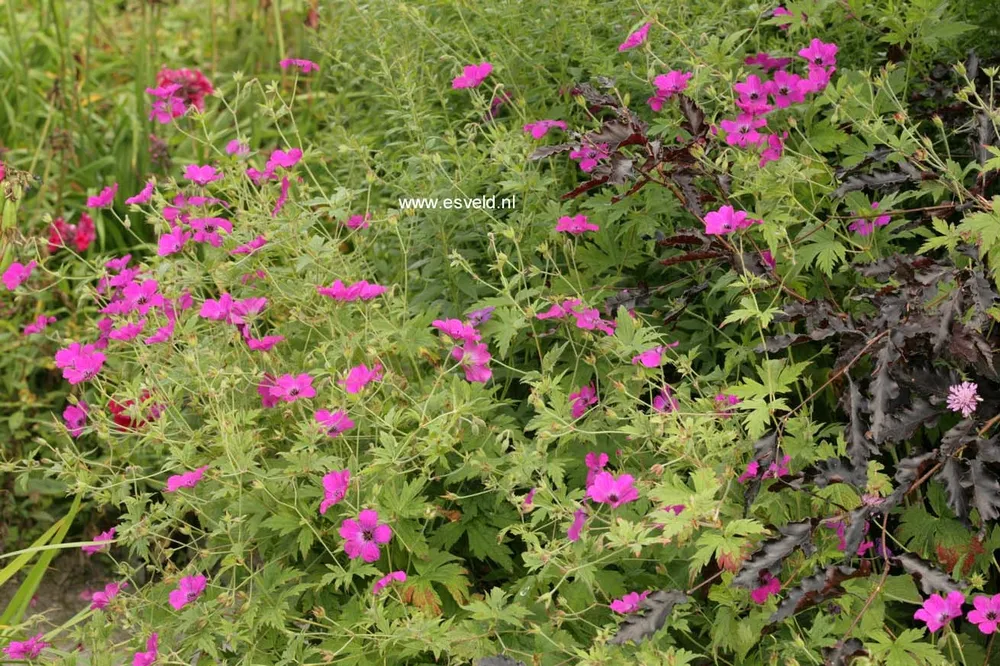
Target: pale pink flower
{"points": [[964, 398]]}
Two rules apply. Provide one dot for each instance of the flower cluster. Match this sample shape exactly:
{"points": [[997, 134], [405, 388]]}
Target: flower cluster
{"points": [[588, 319], [78, 236]]}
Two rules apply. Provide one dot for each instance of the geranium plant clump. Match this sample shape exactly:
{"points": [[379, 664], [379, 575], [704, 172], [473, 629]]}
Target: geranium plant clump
{"points": [[699, 407]]}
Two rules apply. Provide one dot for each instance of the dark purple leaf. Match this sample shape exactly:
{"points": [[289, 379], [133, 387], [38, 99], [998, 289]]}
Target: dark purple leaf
{"points": [[546, 151], [770, 555], [694, 117], [654, 609], [844, 652], [930, 579], [985, 490], [883, 390], [824, 584]]}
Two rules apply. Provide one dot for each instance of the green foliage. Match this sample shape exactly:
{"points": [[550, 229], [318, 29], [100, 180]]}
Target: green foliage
{"points": [[449, 463]]}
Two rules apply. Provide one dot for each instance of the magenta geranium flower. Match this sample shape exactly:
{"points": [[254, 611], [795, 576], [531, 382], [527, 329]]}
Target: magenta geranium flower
{"points": [[820, 53], [79, 362], [305, 66], [769, 585], [774, 146], [753, 467], [629, 603], [145, 195], [766, 62], [264, 344], [148, 657], [251, 247], [335, 485], [540, 128], [75, 417], [752, 97], [986, 614], [665, 401], [743, 132], [386, 580], [185, 480], [560, 310], [293, 387], [105, 198], [651, 358], [189, 589], [938, 611], [781, 11], [166, 104], [334, 423], [726, 220], [595, 462], [472, 76], [102, 539], [206, 229], [237, 147], [362, 537], [128, 331], [142, 296], [172, 242], [282, 196], [362, 290], [218, 310], [457, 330], [358, 221], [192, 86], [24, 650], [284, 159], [577, 224], [17, 274], [786, 89], [589, 157], [265, 390], [579, 520], [666, 86], [608, 489], [582, 399], [40, 324], [360, 376], [635, 39], [964, 398], [864, 227], [474, 357], [202, 175], [102, 598], [529, 499]]}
